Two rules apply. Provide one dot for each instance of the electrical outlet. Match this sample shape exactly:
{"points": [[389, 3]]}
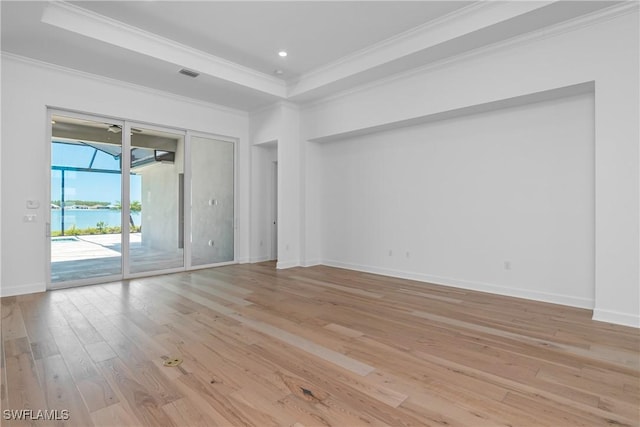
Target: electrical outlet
{"points": [[390, 252], [408, 254], [507, 265]]}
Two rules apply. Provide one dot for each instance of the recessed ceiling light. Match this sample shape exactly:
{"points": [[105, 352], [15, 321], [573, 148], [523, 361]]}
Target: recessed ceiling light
{"points": [[278, 72], [282, 53]]}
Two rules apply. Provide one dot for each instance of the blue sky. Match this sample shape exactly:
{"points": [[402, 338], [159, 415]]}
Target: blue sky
{"points": [[101, 187]]}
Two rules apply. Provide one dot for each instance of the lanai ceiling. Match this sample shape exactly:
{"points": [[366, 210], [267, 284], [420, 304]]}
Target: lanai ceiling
{"points": [[331, 46]]}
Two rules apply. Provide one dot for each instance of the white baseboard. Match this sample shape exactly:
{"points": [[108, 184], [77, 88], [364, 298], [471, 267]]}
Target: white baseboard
{"points": [[470, 285], [259, 259], [287, 264], [29, 288], [616, 317], [311, 262]]}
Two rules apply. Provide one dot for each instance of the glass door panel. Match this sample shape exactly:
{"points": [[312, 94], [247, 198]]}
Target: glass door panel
{"points": [[106, 225], [156, 221], [85, 215], [212, 201]]}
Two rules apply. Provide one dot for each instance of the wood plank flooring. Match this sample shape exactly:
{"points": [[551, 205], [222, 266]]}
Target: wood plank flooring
{"points": [[311, 347]]}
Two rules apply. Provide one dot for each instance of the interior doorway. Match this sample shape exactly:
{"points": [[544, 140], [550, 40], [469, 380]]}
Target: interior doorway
{"points": [[274, 211]]}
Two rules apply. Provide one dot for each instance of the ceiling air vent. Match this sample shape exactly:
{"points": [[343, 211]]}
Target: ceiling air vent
{"points": [[189, 73]]}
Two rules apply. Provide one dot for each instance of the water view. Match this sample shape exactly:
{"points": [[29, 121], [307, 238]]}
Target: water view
{"points": [[87, 218]]}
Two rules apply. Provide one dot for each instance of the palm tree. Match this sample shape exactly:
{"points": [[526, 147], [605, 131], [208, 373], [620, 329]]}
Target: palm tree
{"points": [[135, 206]]}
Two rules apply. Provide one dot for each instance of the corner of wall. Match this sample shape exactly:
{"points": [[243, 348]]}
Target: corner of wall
{"points": [[311, 262], [616, 317], [282, 265]]}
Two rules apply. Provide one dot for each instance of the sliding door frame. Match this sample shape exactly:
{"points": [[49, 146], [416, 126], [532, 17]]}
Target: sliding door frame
{"points": [[49, 135], [188, 197], [126, 195], [126, 125]]}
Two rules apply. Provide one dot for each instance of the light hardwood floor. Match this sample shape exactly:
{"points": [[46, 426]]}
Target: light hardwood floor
{"points": [[312, 347]]}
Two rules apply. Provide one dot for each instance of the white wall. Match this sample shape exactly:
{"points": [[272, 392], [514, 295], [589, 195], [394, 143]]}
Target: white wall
{"points": [[291, 178], [27, 89], [265, 125], [264, 131], [450, 202], [605, 51], [263, 157], [279, 125], [1, 138], [313, 205]]}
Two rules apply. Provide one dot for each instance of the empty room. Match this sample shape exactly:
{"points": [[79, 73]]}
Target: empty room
{"points": [[320, 213]]}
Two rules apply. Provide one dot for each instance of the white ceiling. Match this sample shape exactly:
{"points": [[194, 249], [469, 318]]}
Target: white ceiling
{"points": [[332, 45], [251, 33]]}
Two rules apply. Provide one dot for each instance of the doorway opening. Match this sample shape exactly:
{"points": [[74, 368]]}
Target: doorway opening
{"points": [[274, 211]]}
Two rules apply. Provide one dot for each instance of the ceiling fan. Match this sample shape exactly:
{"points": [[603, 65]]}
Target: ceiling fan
{"points": [[118, 129]]}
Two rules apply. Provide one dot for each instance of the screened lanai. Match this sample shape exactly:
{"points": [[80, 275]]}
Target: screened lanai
{"points": [[86, 216]]}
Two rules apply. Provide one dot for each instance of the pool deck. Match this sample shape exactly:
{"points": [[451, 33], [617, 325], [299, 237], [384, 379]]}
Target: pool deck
{"points": [[93, 256], [74, 248]]}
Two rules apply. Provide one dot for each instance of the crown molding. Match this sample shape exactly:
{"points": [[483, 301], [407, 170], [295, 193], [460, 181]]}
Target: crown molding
{"points": [[587, 20], [120, 83], [396, 39], [93, 25], [455, 24]]}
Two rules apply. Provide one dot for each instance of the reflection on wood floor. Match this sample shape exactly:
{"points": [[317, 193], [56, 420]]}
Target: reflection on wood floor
{"points": [[312, 346]]}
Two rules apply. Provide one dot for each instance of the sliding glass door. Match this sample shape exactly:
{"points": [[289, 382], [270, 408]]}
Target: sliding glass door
{"points": [[85, 214], [130, 200], [156, 200], [212, 203]]}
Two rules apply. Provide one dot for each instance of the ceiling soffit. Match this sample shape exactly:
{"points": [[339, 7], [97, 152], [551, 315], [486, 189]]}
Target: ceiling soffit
{"points": [[470, 27], [98, 27]]}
